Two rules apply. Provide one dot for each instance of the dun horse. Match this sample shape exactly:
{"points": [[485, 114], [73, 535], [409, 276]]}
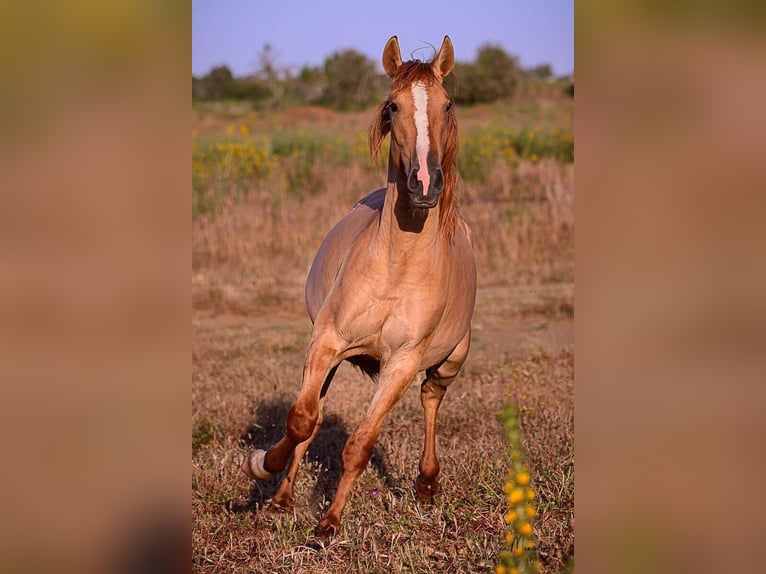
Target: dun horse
{"points": [[392, 288]]}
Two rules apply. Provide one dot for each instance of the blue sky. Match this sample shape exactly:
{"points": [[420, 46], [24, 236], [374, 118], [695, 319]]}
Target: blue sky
{"points": [[302, 32]]}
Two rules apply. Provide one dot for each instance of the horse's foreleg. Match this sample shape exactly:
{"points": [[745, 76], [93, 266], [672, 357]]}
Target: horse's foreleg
{"points": [[321, 359], [431, 394], [284, 496], [358, 450]]}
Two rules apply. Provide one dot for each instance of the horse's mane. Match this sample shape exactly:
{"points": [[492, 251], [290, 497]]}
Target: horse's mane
{"points": [[407, 74]]}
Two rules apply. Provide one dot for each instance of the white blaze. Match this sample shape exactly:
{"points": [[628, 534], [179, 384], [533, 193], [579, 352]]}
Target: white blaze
{"points": [[422, 145]]}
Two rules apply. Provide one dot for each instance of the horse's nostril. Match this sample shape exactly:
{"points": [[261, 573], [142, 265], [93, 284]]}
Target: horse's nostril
{"points": [[438, 179], [412, 180]]}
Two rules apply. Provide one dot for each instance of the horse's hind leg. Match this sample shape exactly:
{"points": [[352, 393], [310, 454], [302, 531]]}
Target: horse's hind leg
{"points": [[431, 394], [284, 496]]}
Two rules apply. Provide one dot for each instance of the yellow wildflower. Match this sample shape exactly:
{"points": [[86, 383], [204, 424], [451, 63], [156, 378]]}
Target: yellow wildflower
{"points": [[530, 494], [500, 569], [516, 496], [529, 510], [522, 478], [526, 529], [518, 551], [511, 516]]}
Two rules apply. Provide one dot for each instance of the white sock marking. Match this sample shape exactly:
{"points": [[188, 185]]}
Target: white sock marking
{"points": [[423, 143]]}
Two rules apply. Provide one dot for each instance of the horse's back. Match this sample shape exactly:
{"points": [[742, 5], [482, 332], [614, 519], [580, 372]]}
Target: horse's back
{"points": [[335, 248]]}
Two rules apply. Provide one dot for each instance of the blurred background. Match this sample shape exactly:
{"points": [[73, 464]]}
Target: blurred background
{"points": [[94, 319]]}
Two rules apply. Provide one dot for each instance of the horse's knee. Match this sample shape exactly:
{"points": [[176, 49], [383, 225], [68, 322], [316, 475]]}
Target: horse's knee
{"points": [[301, 421], [356, 454]]}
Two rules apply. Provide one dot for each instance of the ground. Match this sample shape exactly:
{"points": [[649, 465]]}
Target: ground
{"points": [[267, 186]]}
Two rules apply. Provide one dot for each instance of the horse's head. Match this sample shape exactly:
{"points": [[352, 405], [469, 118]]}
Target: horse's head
{"points": [[419, 116]]}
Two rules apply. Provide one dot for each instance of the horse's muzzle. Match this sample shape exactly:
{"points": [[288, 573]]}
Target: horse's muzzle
{"points": [[415, 187]]}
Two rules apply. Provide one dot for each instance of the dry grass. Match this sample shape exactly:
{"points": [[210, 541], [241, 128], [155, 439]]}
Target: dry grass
{"points": [[250, 328], [245, 378], [522, 222]]}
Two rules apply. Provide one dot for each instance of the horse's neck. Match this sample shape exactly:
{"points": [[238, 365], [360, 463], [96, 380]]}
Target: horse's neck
{"points": [[404, 237]]}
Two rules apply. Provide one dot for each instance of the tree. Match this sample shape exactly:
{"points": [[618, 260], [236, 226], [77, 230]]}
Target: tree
{"points": [[216, 84], [543, 71], [352, 81], [493, 76], [270, 75]]}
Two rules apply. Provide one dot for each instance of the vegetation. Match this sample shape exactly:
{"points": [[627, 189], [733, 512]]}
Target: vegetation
{"points": [[348, 80], [493, 76]]}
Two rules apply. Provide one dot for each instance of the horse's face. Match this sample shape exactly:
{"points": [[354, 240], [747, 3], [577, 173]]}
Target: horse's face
{"points": [[421, 120]]}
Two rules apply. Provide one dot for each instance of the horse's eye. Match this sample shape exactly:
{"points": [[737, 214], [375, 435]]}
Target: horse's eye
{"points": [[392, 107], [449, 105]]}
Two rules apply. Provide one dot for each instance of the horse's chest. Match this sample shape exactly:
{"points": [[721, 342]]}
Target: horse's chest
{"points": [[385, 322]]}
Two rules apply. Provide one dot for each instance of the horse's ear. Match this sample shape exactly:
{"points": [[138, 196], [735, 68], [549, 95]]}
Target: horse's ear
{"points": [[445, 59], [392, 57]]}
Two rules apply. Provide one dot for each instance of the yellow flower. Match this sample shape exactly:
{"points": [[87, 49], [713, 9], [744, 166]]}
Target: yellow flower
{"points": [[243, 130], [500, 569], [516, 496], [529, 510], [513, 571], [509, 537], [522, 478], [508, 487], [530, 494], [518, 551], [511, 516], [526, 529]]}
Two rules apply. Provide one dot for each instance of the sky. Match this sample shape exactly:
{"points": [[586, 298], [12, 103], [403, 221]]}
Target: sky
{"points": [[305, 32]]}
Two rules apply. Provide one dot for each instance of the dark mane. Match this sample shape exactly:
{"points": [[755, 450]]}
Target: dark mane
{"points": [[407, 74]]}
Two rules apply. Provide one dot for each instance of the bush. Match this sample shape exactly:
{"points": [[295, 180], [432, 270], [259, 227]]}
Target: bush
{"points": [[220, 84], [494, 76], [352, 81]]}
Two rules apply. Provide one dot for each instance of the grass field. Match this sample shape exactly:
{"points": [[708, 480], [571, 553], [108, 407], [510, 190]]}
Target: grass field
{"points": [[267, 186]]}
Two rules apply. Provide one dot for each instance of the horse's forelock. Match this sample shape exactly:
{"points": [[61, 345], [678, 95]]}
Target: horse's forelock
{"points": [[411, 72]]}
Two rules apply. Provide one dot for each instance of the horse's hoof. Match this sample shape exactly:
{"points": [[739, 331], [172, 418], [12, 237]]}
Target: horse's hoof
{"points": [[253, 466], [426, 491], [318, 544], [327, 528], [280, 506]]}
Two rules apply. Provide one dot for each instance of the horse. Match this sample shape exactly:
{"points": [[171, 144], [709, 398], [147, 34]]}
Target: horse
{"points": [[392, 288]]}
